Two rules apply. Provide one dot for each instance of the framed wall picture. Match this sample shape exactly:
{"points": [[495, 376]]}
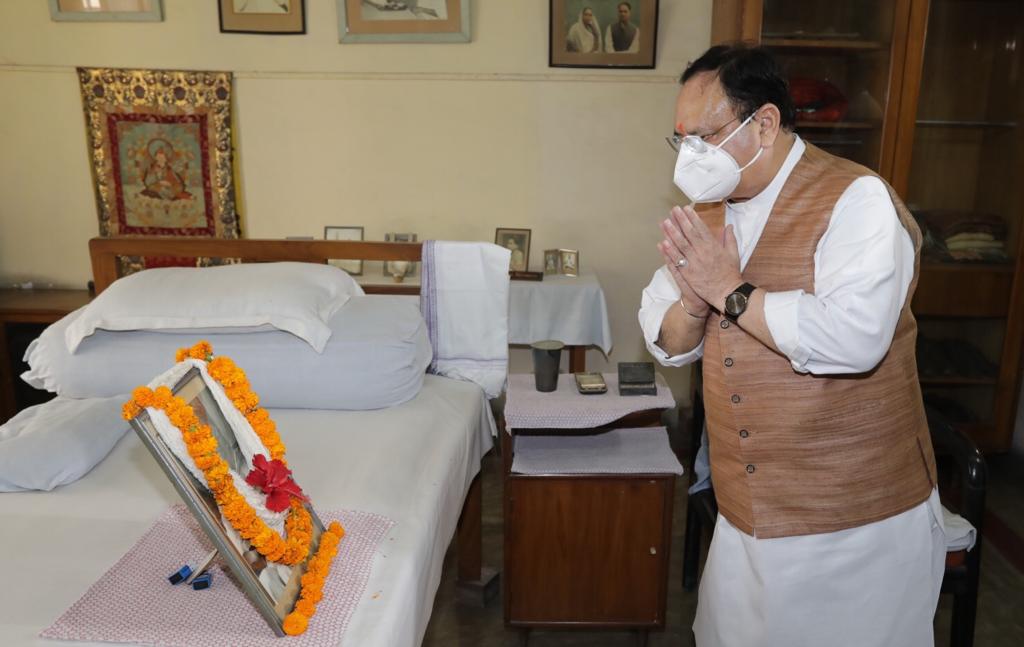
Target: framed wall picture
{"points": [[518, 242], [603, 33], [569, 262], [159, 144], [390, 267], [273, 587], [403, 21], [262, 16], [353, 267], [106, 10]]}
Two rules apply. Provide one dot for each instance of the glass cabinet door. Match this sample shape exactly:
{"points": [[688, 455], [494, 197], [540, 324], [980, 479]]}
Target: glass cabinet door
{"points": [[837, 57], [964, 187]]}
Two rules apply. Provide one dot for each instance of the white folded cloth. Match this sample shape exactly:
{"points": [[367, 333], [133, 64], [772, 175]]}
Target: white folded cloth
{"points": [[464, 296], [960, 534]]}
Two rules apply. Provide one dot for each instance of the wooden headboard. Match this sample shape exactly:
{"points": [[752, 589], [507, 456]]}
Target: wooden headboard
{"points": [[104, 253]]}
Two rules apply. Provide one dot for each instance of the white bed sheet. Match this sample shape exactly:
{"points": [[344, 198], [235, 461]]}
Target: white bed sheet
{"points": [[413, 463]]}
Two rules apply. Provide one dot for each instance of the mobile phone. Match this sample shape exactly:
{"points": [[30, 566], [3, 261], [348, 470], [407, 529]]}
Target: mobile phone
{"points": [[591, 383]]}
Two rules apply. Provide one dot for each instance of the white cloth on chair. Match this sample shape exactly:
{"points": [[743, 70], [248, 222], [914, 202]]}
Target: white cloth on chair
{"points": [[464, 296], [960, 534], [871, 586]]}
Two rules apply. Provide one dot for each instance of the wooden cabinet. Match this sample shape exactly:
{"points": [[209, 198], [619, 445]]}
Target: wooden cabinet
{"points": [[587, 550], [844, 61], [23, 315], [945, 76]]}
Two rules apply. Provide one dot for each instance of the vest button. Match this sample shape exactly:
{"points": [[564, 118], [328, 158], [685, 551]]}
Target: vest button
{"points": [[744, 433], [728, 361], [725, 323], [735, 399], [750, 469]]}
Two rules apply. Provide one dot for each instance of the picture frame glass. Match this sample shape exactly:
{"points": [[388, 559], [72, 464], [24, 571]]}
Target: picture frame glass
{"points": [[262, 16], [603, 33], [409, 21], [106, 10], [353, 267], [517, 241], [272, 587]]}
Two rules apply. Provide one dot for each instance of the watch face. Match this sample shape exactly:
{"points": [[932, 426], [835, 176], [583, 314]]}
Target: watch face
{"points": [[736, 303]]}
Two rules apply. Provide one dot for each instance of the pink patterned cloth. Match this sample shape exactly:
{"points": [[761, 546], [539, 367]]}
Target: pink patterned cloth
{"points": [[134, 603], [567, 408]]}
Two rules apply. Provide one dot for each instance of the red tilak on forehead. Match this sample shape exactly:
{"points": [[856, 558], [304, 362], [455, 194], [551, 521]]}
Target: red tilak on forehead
{"points": [[679, 128]]}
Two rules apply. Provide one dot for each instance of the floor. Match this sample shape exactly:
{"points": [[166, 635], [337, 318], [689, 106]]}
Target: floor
{"points": [[1000, 606]]}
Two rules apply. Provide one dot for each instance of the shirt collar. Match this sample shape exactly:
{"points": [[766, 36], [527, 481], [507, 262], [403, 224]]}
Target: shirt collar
{"points": [[764, 200]]}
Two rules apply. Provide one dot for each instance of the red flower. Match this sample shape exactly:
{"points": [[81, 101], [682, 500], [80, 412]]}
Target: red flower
{"points": [[276, 482]]}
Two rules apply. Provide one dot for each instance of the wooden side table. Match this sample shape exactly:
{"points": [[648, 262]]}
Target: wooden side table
{"points": [[19, 307], [587, 549]]}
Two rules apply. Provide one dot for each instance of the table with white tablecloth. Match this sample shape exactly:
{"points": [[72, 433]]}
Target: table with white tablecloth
{"points": [[568, 309]]}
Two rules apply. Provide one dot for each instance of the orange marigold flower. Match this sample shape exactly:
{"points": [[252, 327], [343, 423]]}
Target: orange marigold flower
{"points": [[315, 595], [129, 410], [143, 396], [336, 529], [306, 608], [203, 350], [162, 397], [180, 355], [295, 623]]}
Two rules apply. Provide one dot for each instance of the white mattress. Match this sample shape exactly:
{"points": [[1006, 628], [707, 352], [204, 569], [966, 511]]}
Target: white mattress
{"points": [[412, 463]]}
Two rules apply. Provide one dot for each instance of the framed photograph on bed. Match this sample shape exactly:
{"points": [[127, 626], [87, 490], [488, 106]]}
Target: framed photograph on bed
{"points": [[273, 587], [355, 268], [603, 33]]}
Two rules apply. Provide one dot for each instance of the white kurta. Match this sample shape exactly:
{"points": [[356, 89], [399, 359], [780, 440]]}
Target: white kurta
{"points": [[872, 585]]}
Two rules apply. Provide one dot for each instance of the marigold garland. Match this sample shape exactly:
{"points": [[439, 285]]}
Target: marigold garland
{"points": [[202, 447]]}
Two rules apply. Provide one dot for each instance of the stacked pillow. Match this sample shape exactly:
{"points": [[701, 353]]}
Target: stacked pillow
{"points": [[305, 334]]}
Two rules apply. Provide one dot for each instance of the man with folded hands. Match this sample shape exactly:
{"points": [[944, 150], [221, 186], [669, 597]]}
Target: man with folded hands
{"points": [[794, 286]]}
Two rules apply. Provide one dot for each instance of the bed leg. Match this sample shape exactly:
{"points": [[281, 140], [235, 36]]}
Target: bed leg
{"points": [[476, 585]]}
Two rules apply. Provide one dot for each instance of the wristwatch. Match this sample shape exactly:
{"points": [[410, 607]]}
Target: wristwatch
{"points": [[736, 302]]}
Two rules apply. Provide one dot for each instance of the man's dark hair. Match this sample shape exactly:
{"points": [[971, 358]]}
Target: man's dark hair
{"points": [[626, 4], [750, 76]]}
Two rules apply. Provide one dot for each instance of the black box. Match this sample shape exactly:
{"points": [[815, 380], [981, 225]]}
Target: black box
{"points": [[637, 378]]}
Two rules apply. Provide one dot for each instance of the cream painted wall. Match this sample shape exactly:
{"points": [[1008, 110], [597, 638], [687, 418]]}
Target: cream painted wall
{"points": [[449, 141]]}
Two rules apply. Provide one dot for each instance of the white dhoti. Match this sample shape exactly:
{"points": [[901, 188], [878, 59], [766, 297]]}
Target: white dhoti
{"points": [[871, 586]]}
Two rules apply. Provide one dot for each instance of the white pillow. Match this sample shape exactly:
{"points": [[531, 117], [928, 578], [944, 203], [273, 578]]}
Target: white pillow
{"points": [[58, 442], [376, 357], [295, 297]]}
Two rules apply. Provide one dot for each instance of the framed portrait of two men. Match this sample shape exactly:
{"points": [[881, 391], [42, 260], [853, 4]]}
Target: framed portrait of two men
{"points": [[603, 33]]}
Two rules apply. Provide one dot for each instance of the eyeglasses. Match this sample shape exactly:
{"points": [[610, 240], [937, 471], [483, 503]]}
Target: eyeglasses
{"points": [[695, 143]]}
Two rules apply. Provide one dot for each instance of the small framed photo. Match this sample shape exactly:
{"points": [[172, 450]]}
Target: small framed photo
{"points": [[389, 266], [106, 10], [403, 21], [603, 33], [272, 587], [262, 16], [552, 261], [353, 267], [518, 242], [569, 262]]}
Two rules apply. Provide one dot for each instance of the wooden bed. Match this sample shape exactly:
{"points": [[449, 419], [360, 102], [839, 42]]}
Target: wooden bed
{"points": [[477, 585]]}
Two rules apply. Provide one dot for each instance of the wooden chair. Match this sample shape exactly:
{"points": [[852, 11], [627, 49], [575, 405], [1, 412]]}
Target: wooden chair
{"points": [[966, 496]]}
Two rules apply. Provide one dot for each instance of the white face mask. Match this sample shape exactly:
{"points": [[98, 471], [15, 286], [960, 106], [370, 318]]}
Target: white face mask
{"points": [[706, 172]]}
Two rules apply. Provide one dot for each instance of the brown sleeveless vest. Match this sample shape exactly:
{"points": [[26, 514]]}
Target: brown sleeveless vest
{"points": [[798, 454]]}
